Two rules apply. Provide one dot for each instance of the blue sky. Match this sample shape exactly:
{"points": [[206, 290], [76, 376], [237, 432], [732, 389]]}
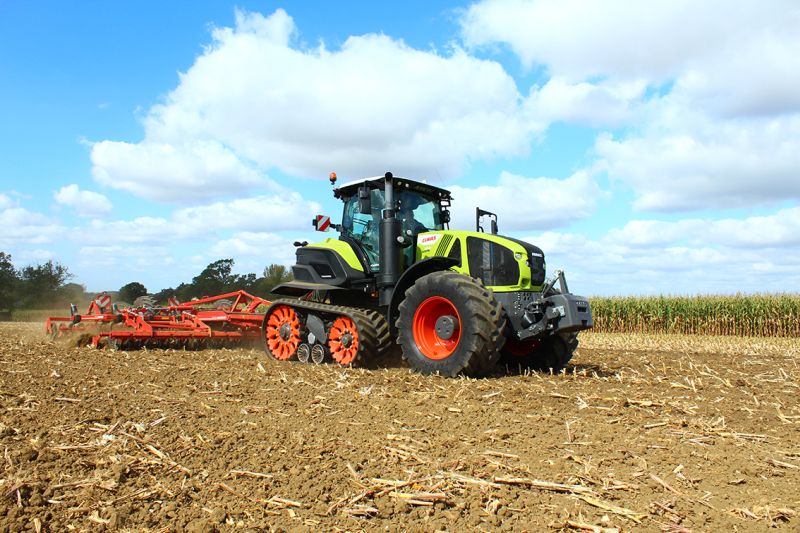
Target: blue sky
{"points": [[647, 148]]}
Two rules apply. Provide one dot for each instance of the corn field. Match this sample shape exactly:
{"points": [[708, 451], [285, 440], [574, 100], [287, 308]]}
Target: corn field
{"points": [[775, 315]]}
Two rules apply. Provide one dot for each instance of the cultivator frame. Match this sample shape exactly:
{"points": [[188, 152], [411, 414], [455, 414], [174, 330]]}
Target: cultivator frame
{"points": [[190, 325]]}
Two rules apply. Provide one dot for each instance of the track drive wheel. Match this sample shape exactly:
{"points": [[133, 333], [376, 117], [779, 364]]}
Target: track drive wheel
{"points": [[551, 354], [281, 332], [343, 340], [450, 324]]}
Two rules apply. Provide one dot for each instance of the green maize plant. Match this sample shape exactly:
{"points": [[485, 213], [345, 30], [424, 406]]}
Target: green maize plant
{"points": [[747, 315]]}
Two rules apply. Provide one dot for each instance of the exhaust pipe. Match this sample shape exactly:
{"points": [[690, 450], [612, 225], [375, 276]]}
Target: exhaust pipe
{"points": [[389, 230]]}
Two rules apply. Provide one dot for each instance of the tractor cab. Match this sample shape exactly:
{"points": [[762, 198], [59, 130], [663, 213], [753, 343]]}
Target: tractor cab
{"points": [[419, 208]]}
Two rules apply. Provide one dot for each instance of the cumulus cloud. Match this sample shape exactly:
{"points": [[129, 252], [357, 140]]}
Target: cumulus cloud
{"points": [[580, 39], [253, 101], [717, 110], [85, 203], [132, 258], [36, 255], [590, 104], [758, 253], [6, 201], [527, 204], [282, 212], [267, 247], [683, 160], [178, 172], [21, 226], [287, 211]]}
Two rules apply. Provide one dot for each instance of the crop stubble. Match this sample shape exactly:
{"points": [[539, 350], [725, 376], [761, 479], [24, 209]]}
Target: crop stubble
{"points": [[650, 433]]}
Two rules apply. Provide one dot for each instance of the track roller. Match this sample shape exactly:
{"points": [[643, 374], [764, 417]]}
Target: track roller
{"points": [[318, 353], [303, 352]]}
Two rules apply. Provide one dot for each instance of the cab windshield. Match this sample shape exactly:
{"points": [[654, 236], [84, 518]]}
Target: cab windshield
{"points": [[416, 212]]}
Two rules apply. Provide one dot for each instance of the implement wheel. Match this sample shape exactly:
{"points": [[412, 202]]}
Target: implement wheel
{"points": [[281, 332], [450, 324]]}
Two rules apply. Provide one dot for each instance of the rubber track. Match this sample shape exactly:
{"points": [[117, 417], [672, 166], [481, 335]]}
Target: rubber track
{"points": [[372, 328]]}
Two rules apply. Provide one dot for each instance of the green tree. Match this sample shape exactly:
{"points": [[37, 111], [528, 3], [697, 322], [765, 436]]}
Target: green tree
{"points": [[41, 284], [216, 278], [165, 294], [128, 293], [274, 275], [9, 282], [73, 293]]}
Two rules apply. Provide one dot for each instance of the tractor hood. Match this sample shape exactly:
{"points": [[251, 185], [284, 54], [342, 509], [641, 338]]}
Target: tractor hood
{"points": [[503, 263]]}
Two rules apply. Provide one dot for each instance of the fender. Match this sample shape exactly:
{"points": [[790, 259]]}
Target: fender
{"points": [[299, 288], [412, 274]]}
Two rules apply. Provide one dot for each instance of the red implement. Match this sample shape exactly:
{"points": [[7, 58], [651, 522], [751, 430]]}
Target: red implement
{"points": [[217, 321]]}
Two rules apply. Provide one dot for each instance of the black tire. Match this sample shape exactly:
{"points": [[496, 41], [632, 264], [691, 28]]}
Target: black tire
{"points": [[551, 355], [479, 324]]}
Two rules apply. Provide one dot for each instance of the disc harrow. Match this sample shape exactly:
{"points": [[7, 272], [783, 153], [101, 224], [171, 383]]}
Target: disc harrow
{"points": [[209, 322]]}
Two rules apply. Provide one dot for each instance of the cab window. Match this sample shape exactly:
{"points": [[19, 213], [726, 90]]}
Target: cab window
{"points": [[418, 213], [363, 228]]}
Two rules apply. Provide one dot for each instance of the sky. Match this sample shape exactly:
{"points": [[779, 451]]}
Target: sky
{"points": [[646, 147]]}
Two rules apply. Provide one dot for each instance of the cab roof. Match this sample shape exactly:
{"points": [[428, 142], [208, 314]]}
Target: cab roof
{"points": [[400, 184]]}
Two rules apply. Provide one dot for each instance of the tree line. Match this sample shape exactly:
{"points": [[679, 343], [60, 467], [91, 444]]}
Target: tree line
{"points": [[47, 285]]}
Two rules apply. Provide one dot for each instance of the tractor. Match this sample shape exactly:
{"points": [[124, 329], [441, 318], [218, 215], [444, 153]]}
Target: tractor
{"points": [[455, 301]]}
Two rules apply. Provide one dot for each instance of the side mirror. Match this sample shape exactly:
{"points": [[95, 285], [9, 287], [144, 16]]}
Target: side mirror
{"points": [[494, 227], [364, 201]]}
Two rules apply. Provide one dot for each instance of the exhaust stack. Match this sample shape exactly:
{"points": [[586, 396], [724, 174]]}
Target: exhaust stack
{"points": [[389, 230]]}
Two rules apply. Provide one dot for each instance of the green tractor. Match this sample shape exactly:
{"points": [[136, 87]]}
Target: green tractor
{"points": [[457, 302]]}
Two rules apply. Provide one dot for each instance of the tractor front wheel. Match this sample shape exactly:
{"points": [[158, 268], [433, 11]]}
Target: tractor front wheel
{"points": [[450, 324]]}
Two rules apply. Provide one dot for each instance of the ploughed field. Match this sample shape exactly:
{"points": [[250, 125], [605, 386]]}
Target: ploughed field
{"points": [[642, 433]]}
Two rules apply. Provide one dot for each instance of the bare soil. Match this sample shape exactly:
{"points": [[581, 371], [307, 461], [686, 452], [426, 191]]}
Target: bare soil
{"points": [[639, 434]]}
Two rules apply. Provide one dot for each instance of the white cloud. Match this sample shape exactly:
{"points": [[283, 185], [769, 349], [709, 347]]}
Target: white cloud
{"points": [[134, 259], [527, 204], [286, 211], [179, 172], [21, 226], [697, 162], [6, 201], [37, 255], [266, 247], [656, 41], [85, 203], [253, 102], [280, 212], [752, 254], [591, 104], [138, 230], [717, 109]]}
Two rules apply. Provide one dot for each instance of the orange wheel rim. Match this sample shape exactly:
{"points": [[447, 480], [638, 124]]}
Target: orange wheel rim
{"points": [[343, 340], [430, 342], [282, 332]]}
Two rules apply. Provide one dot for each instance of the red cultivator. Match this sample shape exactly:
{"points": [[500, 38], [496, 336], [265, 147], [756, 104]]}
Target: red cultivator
{"points": [[213, 321]]}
